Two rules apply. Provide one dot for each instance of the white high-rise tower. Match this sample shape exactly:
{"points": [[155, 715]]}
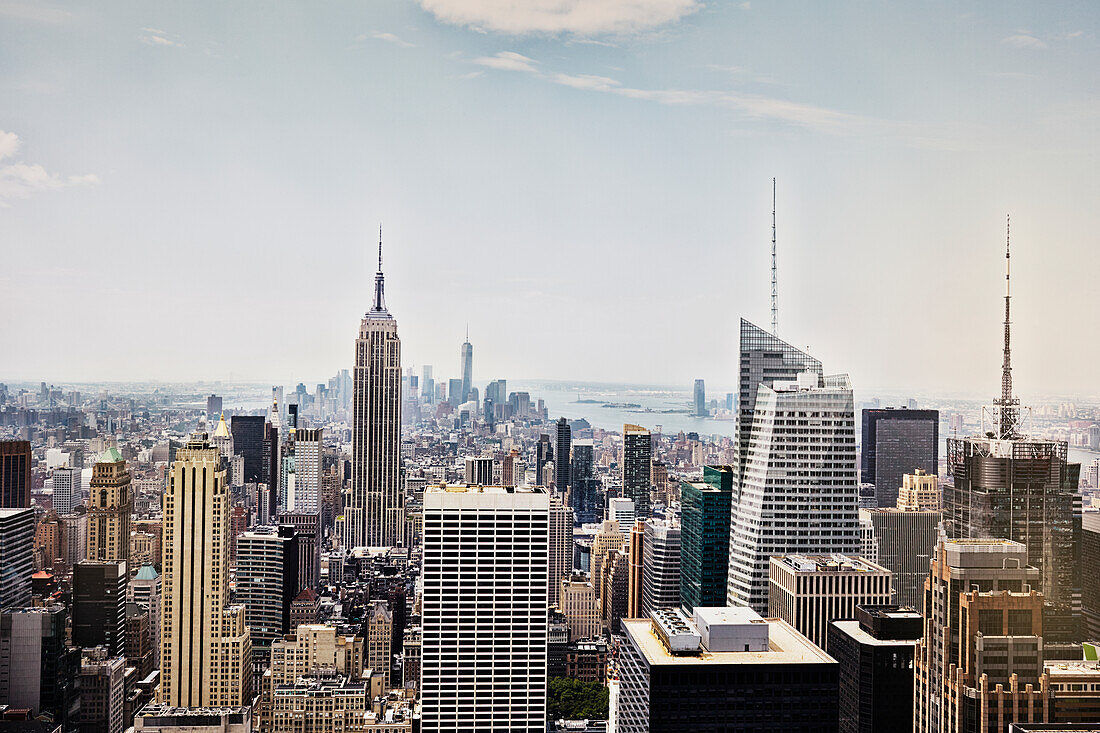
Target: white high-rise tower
{"points": [[374, 515], [483, 659], [799, 491]]}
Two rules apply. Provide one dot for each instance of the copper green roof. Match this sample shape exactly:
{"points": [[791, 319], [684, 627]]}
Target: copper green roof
{"points": [[111, 455], [147, 572]]}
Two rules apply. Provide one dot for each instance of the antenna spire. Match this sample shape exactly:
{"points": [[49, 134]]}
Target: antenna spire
{"points": [[379, 307], [1009, 406], [775, 287]]}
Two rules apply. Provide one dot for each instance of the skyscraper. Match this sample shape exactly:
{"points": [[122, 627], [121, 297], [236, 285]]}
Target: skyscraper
{"points": [[544, 453], [467, 368], [660, 566], [583, 484], [38, 669], [897, 442], [248, 441], [700, 398], [799, 492], [810, 591], [427, 386], [636, 581], [16, 556], [110, 506], [979, 665], [1007, 484], [637, 468], [308, 457], [205, 647], [374, 514], [875, 656], [905, 541], [562, 454], [704, 538], [725, 669], [561, 547], [485, 576], [267, 583], [67, 491], [15, 473], [99, 605], [764, 360]]}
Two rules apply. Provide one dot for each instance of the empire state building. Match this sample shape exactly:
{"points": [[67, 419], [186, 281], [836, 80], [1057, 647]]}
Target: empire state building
{"points": [[374, 514]]}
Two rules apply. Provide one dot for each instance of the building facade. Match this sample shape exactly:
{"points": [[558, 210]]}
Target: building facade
{"points": [[799, 492], [110, 508], [486, 558], [705, 538], [637, 468], [206, 651], [374, 512], [725, 669], [810, 591], [896, 442]]}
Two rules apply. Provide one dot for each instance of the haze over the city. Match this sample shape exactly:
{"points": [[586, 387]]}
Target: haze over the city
{"points": [[589, 190]]}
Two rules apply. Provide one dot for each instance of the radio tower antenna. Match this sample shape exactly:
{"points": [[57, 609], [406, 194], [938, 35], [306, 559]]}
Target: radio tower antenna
{"points": [[1009, 405], [775, 287]]}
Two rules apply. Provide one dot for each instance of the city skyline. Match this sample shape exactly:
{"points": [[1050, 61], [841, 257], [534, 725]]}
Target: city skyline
{"points": [[645, 94]]}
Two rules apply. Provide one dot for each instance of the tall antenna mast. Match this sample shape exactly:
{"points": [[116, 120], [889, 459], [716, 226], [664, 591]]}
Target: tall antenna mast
{"points": [[1008, 406], [775, 287]]}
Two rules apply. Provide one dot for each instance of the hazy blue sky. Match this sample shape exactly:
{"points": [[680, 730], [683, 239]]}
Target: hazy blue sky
{"points": [[193, 190]]}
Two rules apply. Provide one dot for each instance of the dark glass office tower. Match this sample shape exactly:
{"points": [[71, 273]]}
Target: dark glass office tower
{"points": [[248, 441], [897, 442], [584, 487], [562, 455], [765, 359], [544, 453], [15, 474], [705, 538], [99, 605], [1021, 489], [637, 468], [875, 656], [1090, 568]]}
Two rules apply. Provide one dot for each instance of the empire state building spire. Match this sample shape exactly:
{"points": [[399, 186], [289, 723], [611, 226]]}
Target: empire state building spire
{"points": [[378, 309]]}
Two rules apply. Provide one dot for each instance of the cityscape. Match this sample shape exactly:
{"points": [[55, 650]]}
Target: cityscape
{"points": [[509, 539]]}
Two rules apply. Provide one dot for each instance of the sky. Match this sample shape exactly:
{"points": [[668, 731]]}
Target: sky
{"points": [[193, 190]]}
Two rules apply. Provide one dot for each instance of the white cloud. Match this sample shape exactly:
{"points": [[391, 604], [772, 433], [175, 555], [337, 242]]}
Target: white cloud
{"points": [[21, 180], [579, 17], [1024, 40], [157, 37], [34, 12], [508, 61], [388, 38], [9, 144]]}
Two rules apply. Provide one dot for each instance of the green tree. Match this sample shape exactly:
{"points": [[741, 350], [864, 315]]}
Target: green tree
{"points": [[571, 699]]}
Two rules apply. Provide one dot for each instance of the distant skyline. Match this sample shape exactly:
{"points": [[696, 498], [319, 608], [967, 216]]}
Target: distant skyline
{"points": [[193, 192]]}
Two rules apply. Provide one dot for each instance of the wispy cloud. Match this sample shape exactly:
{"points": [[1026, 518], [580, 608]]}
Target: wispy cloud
{"points": [[748, 106], [387, 37], [754, 106], [21, 180], [157, 37], [507, 61], [33, 11], [1024, 39], [577, 17], [742, 73]]}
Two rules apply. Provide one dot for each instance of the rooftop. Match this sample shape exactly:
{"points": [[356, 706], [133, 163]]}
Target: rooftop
{"points": [[786, 646], [111, 455], [828, 564]]}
